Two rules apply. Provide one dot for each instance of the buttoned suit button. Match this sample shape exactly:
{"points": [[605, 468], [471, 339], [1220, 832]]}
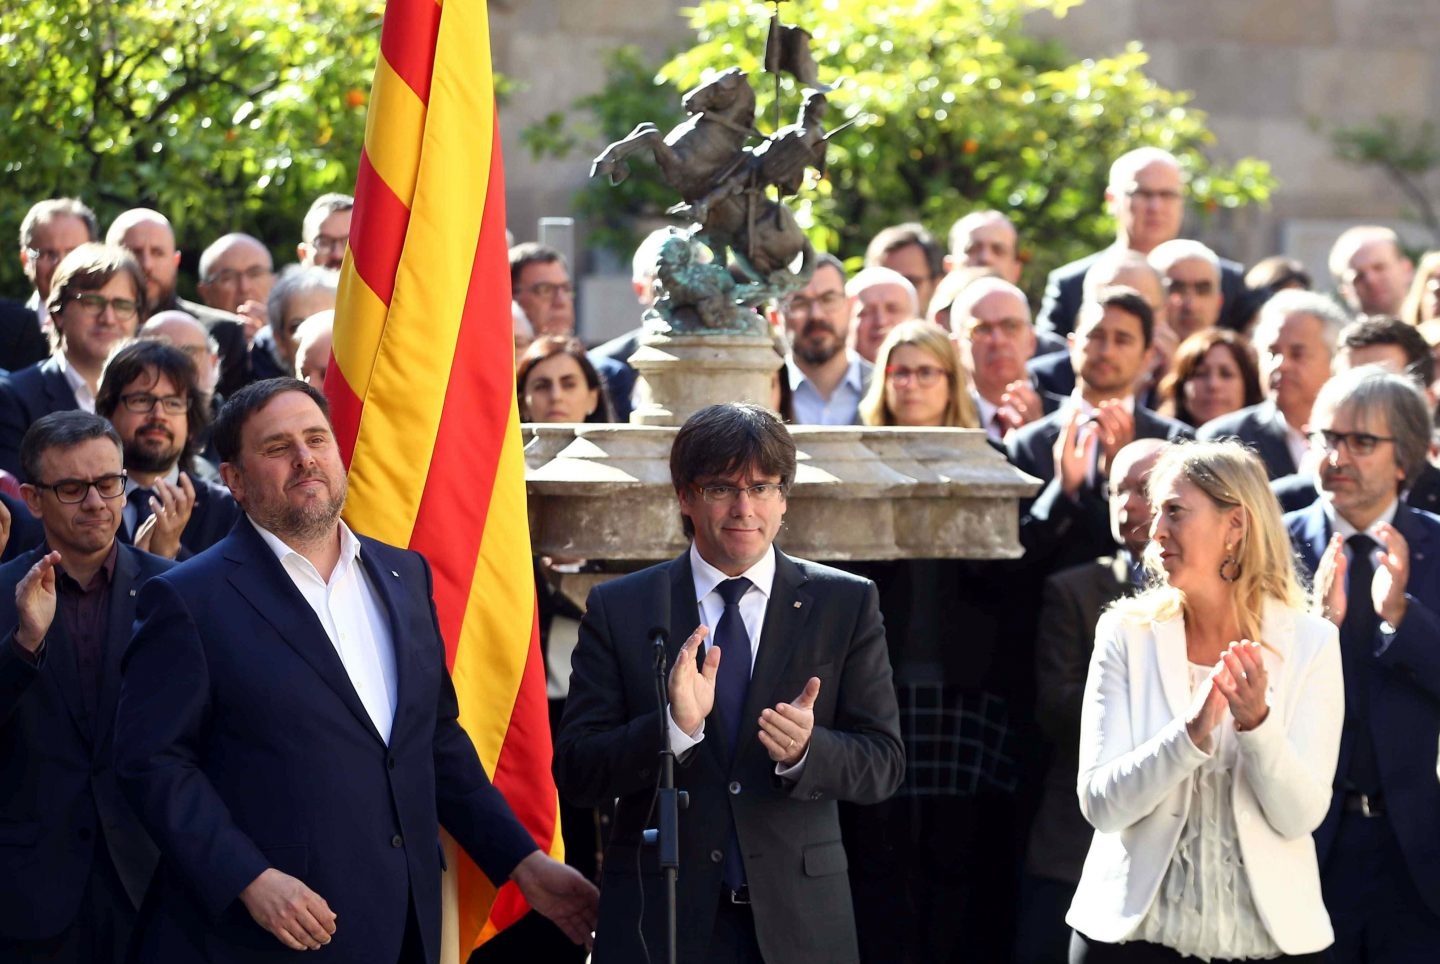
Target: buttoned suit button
{"points": [[716, 856], [390, 763], [397, 841], [735, 788]]}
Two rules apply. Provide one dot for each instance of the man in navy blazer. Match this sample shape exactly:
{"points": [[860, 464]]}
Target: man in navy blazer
{"points": [[1295, 339], [73, 856], [803, 716], [1146, 196], [97, 297], [1376, 565], [151, 394], [288, 732], [1068, 522]]}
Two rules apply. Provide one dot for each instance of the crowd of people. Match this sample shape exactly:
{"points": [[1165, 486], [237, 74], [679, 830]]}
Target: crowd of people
{"points": [[1198, 718], [1221, 567]]}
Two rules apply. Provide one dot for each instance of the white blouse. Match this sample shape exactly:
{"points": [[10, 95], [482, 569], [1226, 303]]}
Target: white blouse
{"points": [[1204, 908]]}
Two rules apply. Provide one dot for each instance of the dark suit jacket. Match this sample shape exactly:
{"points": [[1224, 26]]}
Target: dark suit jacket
{"points": [[58, 793], [612, 361], [1261, 427], [1404, 692], [819, 622], [26, 531], [243, 745], [28, 395], [211, 519], [1056, 531], [1074, 598], [22, 343], [1065, 286]]}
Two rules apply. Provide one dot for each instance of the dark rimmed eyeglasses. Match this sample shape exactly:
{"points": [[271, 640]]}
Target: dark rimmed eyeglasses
{"points": [[1358, 443], [71, 491]]}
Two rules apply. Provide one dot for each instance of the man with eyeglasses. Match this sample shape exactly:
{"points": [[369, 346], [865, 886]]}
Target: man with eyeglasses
{"points": [[327, 231], [1193, 296], [789, 709], [827, 379], [1145, 194], [540, 283], [148, 235], [150, 393], [75, 859], [1396, 347], [50, 230], [1376, 565], [990, 326], [301, 291], [97, 297], [236, 273]]}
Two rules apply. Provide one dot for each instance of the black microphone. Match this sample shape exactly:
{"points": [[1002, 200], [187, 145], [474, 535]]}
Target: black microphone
{"points": [[659, 636]]}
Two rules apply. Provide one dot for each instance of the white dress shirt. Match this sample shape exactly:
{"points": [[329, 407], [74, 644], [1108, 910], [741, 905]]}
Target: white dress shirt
{"points": [[354, 618], [752, 614], [84, 398]]}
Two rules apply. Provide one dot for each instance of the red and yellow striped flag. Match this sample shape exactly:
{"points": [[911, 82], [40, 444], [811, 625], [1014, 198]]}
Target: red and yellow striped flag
{"points": [[422, 389]]}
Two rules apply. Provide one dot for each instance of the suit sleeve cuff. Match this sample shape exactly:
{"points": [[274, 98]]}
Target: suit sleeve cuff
{"points": [[24, 655]]}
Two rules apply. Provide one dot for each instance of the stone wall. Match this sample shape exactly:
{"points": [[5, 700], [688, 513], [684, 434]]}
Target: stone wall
{"points": [[1275, 77]]}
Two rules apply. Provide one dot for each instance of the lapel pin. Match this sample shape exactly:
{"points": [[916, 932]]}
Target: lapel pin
{"points": [[132, 592], [797, 604], [394, 573]]}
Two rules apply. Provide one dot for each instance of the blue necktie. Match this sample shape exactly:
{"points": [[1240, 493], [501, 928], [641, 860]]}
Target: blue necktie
{"points": [[732, 682]]}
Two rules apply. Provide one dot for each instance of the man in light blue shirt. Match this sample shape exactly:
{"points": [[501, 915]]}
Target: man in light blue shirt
{"points": [[827, 379]]}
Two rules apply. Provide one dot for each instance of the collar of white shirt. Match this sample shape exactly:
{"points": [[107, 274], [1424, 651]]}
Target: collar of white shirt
{"points": [[1077, 400], [707, 577], [83, 396], [1339, 524], [349, 547]]}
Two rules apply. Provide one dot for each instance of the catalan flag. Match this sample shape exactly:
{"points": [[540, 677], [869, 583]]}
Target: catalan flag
{"points": [[422, 389]]}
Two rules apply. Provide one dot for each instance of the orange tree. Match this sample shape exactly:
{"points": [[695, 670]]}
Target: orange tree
{"points": [[224, 114]]}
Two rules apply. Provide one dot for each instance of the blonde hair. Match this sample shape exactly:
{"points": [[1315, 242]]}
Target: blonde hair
{"points": [[1231, 476], [960, 411]]}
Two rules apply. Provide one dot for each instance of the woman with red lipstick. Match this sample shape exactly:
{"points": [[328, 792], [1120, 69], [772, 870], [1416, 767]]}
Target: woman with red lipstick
{"points": [[1209, 735]]}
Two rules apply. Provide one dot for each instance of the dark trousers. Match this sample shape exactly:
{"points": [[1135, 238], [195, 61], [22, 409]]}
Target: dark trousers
{"points": [[1085, 951], [100, 932], [734, 941], [1041, 934], [1374, 905]]}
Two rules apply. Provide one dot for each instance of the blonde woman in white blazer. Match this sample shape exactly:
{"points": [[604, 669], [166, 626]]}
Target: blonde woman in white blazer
{"points": [[1209, 734]]}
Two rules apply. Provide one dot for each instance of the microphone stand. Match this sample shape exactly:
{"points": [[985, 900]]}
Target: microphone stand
{"points": [[669, 801]]}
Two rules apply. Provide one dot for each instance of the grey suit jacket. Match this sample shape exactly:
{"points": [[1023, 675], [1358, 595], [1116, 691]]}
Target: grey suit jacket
{"points": [[819, 622]]}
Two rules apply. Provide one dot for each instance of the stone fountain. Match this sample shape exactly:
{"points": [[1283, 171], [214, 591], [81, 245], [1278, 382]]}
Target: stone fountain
{"points": [[602, 492]]}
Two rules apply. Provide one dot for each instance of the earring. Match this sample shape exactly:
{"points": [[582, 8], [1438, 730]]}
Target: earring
{"points": [[1229, 566]]}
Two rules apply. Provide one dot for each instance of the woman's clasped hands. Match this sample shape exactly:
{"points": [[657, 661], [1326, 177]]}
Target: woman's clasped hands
{"points": [[1238, 682]]}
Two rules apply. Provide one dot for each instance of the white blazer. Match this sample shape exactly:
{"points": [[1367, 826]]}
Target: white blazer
{"points": [[1136, 760]]}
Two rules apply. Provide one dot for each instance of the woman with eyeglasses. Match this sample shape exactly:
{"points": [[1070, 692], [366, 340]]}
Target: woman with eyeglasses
{"points": [[1209, 734], [918, 381]]}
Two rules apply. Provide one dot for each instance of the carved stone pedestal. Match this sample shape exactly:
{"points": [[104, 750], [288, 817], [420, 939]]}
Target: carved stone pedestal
{"points": [[681, 374]]}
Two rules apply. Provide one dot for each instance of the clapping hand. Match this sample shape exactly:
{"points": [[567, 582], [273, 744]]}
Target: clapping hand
{"points": [[1244, 683]]}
